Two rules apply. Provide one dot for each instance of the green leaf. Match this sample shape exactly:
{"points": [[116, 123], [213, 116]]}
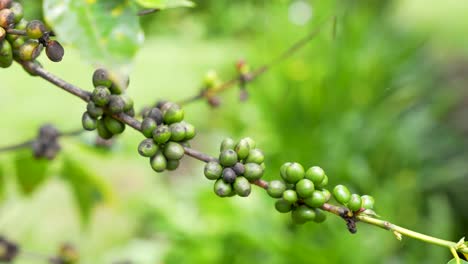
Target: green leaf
{"points": [[164, 4], [107, 32], [30, 172], [454, 261], [89, 190]]}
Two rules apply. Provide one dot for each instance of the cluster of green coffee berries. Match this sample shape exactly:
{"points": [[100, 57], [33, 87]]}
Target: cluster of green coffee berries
{"points": [[353, 202], [108, 98], [27, 43], [167, 133], [239, 164]]}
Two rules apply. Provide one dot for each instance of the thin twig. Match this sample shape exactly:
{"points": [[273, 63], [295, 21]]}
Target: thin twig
{"points": [[148, 11], [13, 31]]}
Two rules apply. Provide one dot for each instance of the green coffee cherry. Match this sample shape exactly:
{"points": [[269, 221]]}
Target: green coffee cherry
{"points": [[222, 189], [119, 83], [6, 54], [161, 134], [327, 194], [228, 143], [148, 125], [177, 131], [158, 162], [355, 202], [172, 164], [101, 78], [16, 45], [7, 17], [147, 148], [341, 194], [229, 175], [101, 96], [88, 122], [316, 200], [213, 170], [54, 51], [128, 102], [323, 183], [173, 150], [156, 115], [22, 24], [283, 206], [283, 169], [239, 168], [242, 149], [302, 214], [93, 110], [113, 125], [315, 174], [255, 156], [320, 216], [102, 130], [116, 104], [367, 202], [18, 11], [290, 196], [305, 188], [242, 186], [5, 3], [276, 188], [251, 142], [189, 131], [172, 113], [228, 158], [293, 172], [30, 50], [253, 171], [35, 29]]}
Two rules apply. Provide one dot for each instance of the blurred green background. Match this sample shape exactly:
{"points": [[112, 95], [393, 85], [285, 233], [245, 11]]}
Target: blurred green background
{"points": [[382, 106]]}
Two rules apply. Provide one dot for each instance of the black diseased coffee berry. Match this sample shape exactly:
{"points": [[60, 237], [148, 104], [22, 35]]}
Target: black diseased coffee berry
{"points": [[156, 115], [54, 51], [114, 125], [222, 189], [172, 113], [147, 148], [172, 164], [30, 50], [116, 104], [89, 123], [173, 150], [18, 11], [253, 171], [158, 162], [242, 187], [6, 54], [213, 170], [7, 17], [228, 158], [161, 134], [228, 143], [177, 131], [239, 168], [276, 188], [93, 110], [5, 3], [102, 130], [101, 96], [101, 78], [242, 149], [255, 156], [35, 29], [283, 206], [148, 125], [189, 130], [229, 176]]}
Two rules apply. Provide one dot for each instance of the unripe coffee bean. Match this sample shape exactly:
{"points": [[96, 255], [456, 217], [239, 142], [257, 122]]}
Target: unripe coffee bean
{"points": [[302, 214], [189, 131], [6, 54], [7, 17], [173, 150], [227, 143], [293, 173], [341, 194], [213, 170], [222, 189], [102, 130], [114, 125], [156, 115], [172, 164], [305, 188], [323, 183], [177, 131], [93, 110], [116, 104], [290, 196], [88, 122], [161, 134], [228, 158], [148, 125], [54, 50], [35, 29], [147, 148], [315, 174], [283, 206], [17, 10], [172, 113], [119, 83], [253, 171], [30, 50], [316, 200], [101, 96], [276, 188], [158, 162], [354, 203], [101, 78], [242, 149], [320, 216], [283, 170], [327, 194], [367, 202], [255, 156], [242, 186]]}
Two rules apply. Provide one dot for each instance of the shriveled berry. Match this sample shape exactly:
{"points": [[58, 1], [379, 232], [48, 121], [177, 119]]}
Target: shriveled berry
{"points": [[242, 186], [54, 50], [101, 96], [315, 174], [320, 216], [161, 134], [148, 125], [228, 158], [158, 162], [6, 54], [88, 122], [101, 78], [354, 203], [18, 11], [30, 50], [213, 170], [102, 130], [172, 113], [156, 114], [7, 17], [172, 164], [173, 150], [242, 149], [177, 131], [323, 183], [293, 173], [302, 214], [35, 29], [5, 3], [227, 143], [239, 168], [93, 110], [255, 156], [114, 125], [229, 176], [367, 202], [341, 194], [305, 188], [189, 131], [253, 171], [290, 196], [222, 189], [316, 200], [147, 148], [116, 104], [283, 206], [276, 188]]}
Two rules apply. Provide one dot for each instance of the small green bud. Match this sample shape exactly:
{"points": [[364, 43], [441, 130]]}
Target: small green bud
{"points": [[30, 50], [222, 189], [161, 134], [93, 110], [114, 125], [213, 170], [172, 164], [367, 202], [101, 96], [148, 125], [305, 188], [116, 104], [173, 150], [147, 148], [253, 171], [102, 130], [158, 162], [276, 188], [315, 174], [177, 131], [341, 194], [303, 214], [242, 186], [172, 113], [316, 200], [229, 176], [88, 122], [255, 156], [355, 202], [228, 143], [101, 78], [228, 158], [54, 51], [35, 29], [290, 196], [242, 148]]}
